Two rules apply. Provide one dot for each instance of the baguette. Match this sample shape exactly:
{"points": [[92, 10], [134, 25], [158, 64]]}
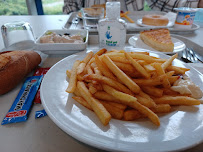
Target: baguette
{"points": [[15, 66]]}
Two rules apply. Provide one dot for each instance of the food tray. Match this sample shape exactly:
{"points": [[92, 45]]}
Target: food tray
{"points": [[133, 27]]}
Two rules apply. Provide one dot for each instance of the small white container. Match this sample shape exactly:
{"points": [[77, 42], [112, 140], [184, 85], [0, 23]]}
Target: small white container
{"points": [[185, 17], [63, 48]]}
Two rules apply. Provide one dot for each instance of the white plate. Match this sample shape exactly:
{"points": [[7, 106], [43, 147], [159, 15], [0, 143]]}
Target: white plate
{"points": [[63, 48], [136, 41], [139, 22], [179, 129]]}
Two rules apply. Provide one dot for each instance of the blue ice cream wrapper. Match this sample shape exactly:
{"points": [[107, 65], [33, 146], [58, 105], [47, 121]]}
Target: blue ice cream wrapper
{"points": [[22, 104]]}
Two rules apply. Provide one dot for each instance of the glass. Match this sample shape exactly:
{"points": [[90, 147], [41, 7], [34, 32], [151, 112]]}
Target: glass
{"points": [[17, 35], [91, 16]]}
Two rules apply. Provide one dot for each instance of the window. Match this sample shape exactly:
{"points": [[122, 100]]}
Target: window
{"points": [[32, 7], [13, 7], [52, 7]]}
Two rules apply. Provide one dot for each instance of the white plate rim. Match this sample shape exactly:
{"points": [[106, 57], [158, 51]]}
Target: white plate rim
{"points": [[92, 142], [137, 36]]}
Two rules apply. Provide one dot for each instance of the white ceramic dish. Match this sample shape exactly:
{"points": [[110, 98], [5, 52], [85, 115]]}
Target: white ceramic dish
{"points": [[58, 48], [135, 41], [179, 129], [139, 22]]}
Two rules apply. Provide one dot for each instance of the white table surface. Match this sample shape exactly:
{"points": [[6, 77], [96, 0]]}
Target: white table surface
{"points": [[42, 135]]}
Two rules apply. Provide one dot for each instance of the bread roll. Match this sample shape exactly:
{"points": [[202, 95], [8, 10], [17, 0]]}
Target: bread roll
{"points": [[155, 20], [15, 66]]}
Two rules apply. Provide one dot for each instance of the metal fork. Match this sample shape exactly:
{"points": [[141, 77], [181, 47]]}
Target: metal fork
{"points": [[188, 55]]}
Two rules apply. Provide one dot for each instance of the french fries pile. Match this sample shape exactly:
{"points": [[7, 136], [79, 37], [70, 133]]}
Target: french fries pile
{"points": [[126, 85]]}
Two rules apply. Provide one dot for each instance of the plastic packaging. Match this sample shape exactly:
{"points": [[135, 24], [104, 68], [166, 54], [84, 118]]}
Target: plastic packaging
{"points": [[38, 72], [21, 106], [40, 113], [185, 17]]}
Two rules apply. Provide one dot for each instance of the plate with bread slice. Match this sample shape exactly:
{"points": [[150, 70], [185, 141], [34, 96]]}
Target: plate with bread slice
{"points": [[154, 20], [157, 40]]}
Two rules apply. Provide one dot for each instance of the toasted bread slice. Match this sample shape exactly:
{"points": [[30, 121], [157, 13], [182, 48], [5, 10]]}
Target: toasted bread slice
{"points": [[158, 39]]}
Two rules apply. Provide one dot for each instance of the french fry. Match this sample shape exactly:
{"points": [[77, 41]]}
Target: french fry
{"points": [[169, 61], [122, 14], [170, 73], [92, 89], [178, 70], [144, 101], [110, 82], [168, 91], [119, 59], [133, 75], [121, 75], [144, 95], [125, 67], [145, 57], [149, 68], [132, 102], [103, 68], [177, 100], [160, 71], [129, 19], [81, 67], [137, 66], [93, 65], [98, 86], [89, 69], [96, 71], [76, 92], [88, 57], [153, 91], [100, 52], [132, 114], [115, 112], [117, 105], [101, 95], [83, 63], [173, 79], [97, 107], [161, 108], [82, 102], [150, 82], [68, 73], [126, 16], [73, 78]]}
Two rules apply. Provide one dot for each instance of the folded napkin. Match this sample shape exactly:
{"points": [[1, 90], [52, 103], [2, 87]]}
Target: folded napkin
{"points": [[171, 16]]}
